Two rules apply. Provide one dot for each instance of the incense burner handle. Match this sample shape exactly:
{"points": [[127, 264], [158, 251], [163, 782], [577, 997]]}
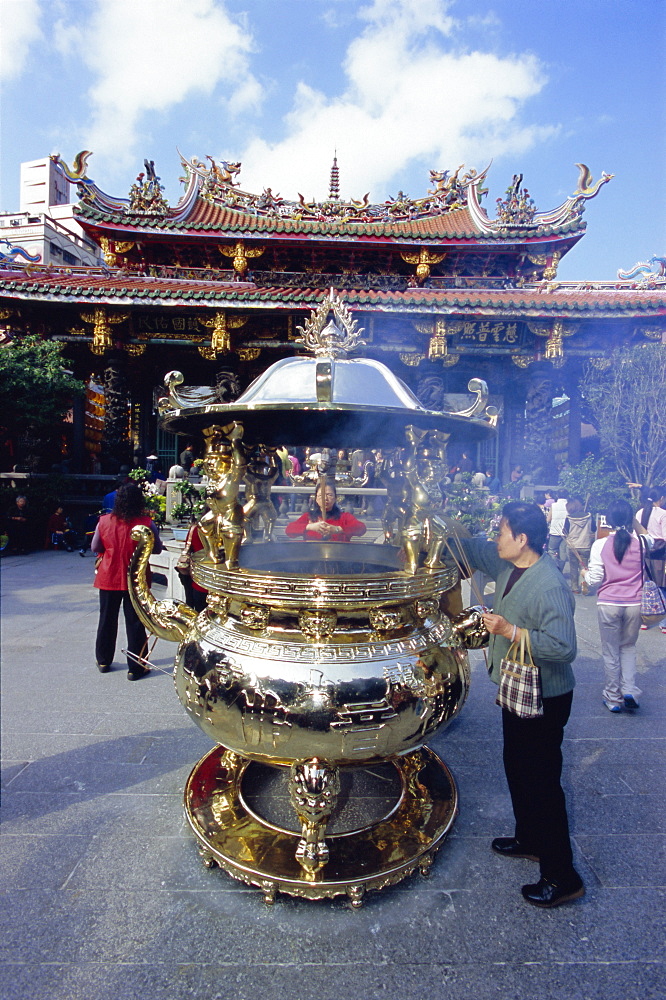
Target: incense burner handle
{"points": [[470, 628], [166, 619]]}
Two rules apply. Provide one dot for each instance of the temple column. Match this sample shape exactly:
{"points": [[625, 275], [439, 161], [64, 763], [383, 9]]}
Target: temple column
{"points": [[116, 449], [78, 436], [574, 449], [538, 445], [512, 436]]}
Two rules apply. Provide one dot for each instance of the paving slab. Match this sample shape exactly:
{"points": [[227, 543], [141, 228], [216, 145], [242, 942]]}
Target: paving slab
{"points": [[104, 896]]}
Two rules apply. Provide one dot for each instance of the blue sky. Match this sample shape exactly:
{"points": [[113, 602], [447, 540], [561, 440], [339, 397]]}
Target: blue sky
{"points": [[398, 87]]}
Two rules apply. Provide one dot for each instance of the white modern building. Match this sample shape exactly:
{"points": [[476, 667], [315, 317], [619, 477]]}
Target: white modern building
{"points": [[44, 226]]}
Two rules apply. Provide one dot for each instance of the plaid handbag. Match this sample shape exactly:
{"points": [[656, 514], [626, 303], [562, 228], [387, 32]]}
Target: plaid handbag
{"points": [[520, 681], [653, 600]]}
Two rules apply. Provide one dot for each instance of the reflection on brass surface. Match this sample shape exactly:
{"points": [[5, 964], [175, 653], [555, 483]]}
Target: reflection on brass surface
{"points": [[385, 619], [221, 528], [277, 695], [217, 606], [375, 856], [384, 584], [427, 609], [345, 690], [261, 473], [423, 530]]}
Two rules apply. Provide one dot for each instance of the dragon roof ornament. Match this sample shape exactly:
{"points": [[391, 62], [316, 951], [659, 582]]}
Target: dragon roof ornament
{"points": [[518, 209], [645, 272]]}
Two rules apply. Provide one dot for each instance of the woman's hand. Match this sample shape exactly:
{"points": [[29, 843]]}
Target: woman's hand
{"points": [[325, 529], [497, 625]]}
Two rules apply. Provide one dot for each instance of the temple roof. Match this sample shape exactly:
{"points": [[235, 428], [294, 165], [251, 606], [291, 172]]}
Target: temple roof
{"points": [[115, 287], [214, 204], [218, 219]]}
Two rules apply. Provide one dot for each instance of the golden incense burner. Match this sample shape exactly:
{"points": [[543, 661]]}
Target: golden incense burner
{"points": [[319, 657]]}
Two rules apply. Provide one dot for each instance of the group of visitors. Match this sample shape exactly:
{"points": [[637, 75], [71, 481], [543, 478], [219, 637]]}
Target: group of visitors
{"points": [[21, 531], [571, 530]]}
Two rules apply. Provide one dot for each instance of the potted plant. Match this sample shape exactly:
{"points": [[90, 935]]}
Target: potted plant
{"points": [[197, 470], [189, 509], [155, 502], [472, 506]]}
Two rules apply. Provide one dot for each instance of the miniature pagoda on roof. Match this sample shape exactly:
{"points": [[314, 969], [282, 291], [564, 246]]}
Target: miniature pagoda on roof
{"points": [[217, 285]]}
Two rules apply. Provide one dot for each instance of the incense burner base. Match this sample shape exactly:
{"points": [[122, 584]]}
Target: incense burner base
{"points": [[231, 833]]}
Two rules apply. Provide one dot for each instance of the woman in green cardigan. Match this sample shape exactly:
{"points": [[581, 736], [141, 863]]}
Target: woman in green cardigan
{"points": [[531, 594]]}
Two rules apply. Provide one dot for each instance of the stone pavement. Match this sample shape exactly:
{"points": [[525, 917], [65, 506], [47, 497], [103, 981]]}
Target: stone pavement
{"points": [[105, 898]]}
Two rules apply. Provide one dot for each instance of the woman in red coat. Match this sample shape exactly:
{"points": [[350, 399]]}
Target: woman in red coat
{"points": [[113, 543], [195, 596], [336, 527]]}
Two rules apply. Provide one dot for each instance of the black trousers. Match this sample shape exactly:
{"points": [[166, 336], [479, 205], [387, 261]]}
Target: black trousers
{"points": [[107, 628], [533, 767], [194, 598]]}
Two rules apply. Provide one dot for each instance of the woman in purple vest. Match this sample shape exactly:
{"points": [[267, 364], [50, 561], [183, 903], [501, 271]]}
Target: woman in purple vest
{"points": [[616, 564]]}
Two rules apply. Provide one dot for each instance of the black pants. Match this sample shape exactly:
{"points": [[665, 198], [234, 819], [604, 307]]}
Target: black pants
{"points": [[533, 766], [107, 628], [194, 598]]}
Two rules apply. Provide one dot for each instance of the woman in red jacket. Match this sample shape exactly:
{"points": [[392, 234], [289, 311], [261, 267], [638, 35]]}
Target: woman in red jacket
{"points": [[112, 542], [195, 596], [336, 527]]}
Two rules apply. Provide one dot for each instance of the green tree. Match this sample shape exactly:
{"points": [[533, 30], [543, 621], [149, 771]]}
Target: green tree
{"points": [[595, 481], [35, 389], [625, 402]]}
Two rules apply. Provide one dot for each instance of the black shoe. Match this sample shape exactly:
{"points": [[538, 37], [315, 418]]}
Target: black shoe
{"points": [[136, 675], [82, 553], [546, 894], [103, 667], [509, 847]]}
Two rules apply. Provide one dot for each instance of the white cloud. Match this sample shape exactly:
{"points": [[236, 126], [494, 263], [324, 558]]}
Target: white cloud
{"points": [[412, 97], [151, 56], [19, 28]]}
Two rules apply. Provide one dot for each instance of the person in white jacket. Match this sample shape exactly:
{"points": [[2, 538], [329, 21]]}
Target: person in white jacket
{"points": [[652, 516], [616, 565]]}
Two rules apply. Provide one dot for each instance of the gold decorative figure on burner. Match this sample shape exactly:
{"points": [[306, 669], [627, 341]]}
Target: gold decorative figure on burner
{"points": [[398, 494], [313, 790], [424, 530], [221, 528], [260, 475]]}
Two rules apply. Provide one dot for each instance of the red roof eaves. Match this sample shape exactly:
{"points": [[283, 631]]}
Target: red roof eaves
{"points": [[165, 292]]}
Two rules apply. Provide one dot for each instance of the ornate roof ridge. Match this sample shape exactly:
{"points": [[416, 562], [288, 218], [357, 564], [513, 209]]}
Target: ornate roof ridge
{"points": [[452, 193]]}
